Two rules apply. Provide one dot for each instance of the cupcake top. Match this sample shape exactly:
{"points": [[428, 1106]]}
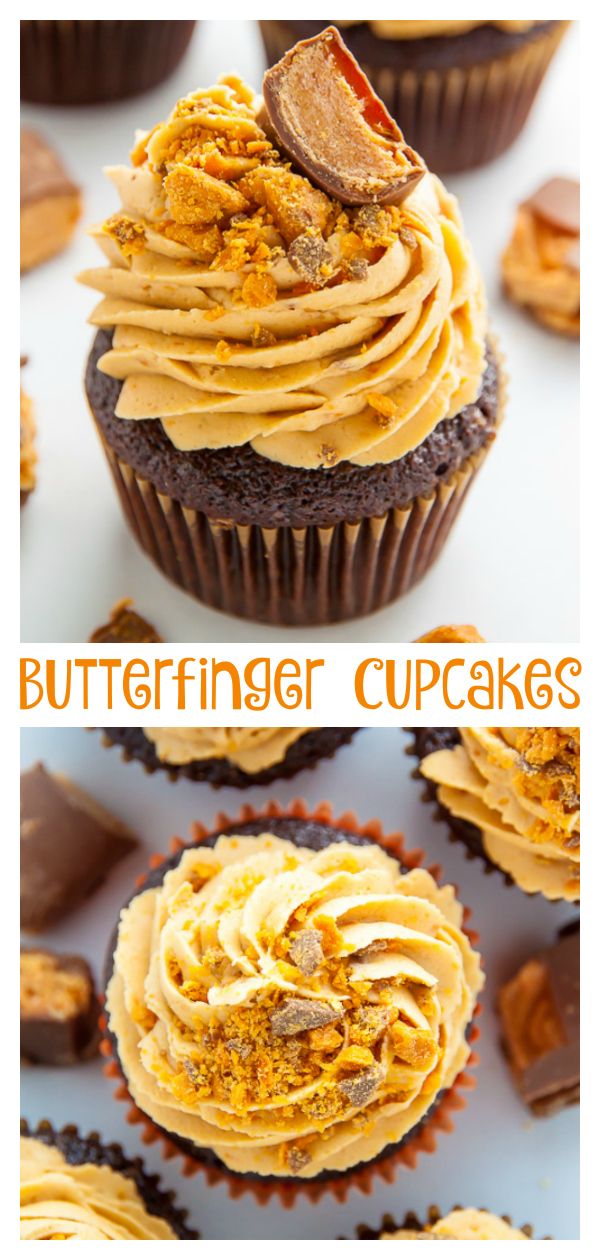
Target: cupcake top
{"points": [[250, 748], [419, 29], [464, 1223], [520, 787], [250, 306], [294, 1011], [541, 264], [80, 1202]]}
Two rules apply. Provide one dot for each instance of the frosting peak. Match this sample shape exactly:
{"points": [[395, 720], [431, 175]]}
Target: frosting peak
{"points": [[520, 787], [294, 1011], [250, 748], [250, 306], [80, 1202]]}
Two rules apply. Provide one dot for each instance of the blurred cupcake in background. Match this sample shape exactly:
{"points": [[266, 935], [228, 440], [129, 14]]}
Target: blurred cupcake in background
{"points": [[511, 795], [460, 90], [292, 376], [289, 1002], [90, 62], [468, 1224], [78, 1189], [228, 756]]}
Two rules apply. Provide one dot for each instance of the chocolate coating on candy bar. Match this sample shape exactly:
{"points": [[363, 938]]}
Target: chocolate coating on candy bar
{"points": [[539, 1009], [42, 171], [329, 121], [557, 203], [68, 845], [59, 1008], [125, 626], [298, 1015]]}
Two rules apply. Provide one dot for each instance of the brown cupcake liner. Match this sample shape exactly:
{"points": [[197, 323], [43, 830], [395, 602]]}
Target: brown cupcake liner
{"points": [[88, 62], [423, 1140], [411, 1220], [90, 1149], [292, 576], [462, 832], [456, 117]]}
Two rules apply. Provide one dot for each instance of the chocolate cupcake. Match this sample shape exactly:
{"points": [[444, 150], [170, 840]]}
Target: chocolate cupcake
{"points": [[86, 63], [460, 90], [300, 1018], [511, 795], [292, 379], [77, 1189], [468, 1224], [229, 756]]}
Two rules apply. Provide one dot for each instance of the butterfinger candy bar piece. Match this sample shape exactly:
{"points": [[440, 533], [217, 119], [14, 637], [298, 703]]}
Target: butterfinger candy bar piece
{"points": [[361, 1088], [28, 459], [59, 1008], [68, 845], [297, 1015], [452, 634], [125, 626], [50, 201], [557, 203], [539, 1010], [306, 951], [331, 124]]}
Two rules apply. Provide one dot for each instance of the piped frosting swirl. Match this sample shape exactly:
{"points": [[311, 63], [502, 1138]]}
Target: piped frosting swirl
{"points": [[250, 306], [292, 1010], [250, 748], [520, 787], [81, 1202]]}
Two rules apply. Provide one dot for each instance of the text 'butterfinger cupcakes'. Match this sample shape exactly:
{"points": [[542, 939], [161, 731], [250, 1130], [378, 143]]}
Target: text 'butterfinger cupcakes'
{"points": [[291, 378], [289, 1002]]}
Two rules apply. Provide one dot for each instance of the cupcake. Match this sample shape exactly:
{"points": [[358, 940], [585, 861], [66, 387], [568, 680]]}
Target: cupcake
{"points": [[76, 1189], [86, 63], [460, 90], [511, 795], [289, 1003], [228, 756], [468, 1224], [541, 265], [291, 377]]}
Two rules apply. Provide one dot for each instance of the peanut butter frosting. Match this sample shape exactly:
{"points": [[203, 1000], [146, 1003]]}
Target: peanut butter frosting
{"points": [[420, 29], [80, 1202], [294, 1011], [250, 748], [541, 265], [464, 1223], [250, 306], [520, 787]]}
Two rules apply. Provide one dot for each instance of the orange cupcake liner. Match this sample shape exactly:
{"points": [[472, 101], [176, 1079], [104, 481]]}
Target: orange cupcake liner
{"points": [[288, 1190]]}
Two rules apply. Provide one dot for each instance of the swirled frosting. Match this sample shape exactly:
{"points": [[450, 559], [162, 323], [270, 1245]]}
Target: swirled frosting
{"points": [[250, 748], [80, 1202], [541, 269], [520, 787], [294, 1011], [464, 1223], [248, 306], [421, 29]]}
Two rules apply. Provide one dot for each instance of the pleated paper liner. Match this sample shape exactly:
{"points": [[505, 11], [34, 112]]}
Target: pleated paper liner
{"points": [[90, 1149], [456, 117], [459, 830], [292, 576], [318, 745], [87, 62], [411, 1221], [405, 1154]]}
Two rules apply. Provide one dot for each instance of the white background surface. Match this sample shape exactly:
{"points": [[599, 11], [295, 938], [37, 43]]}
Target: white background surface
{"points": [[511, 565], [498, 1156]]}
